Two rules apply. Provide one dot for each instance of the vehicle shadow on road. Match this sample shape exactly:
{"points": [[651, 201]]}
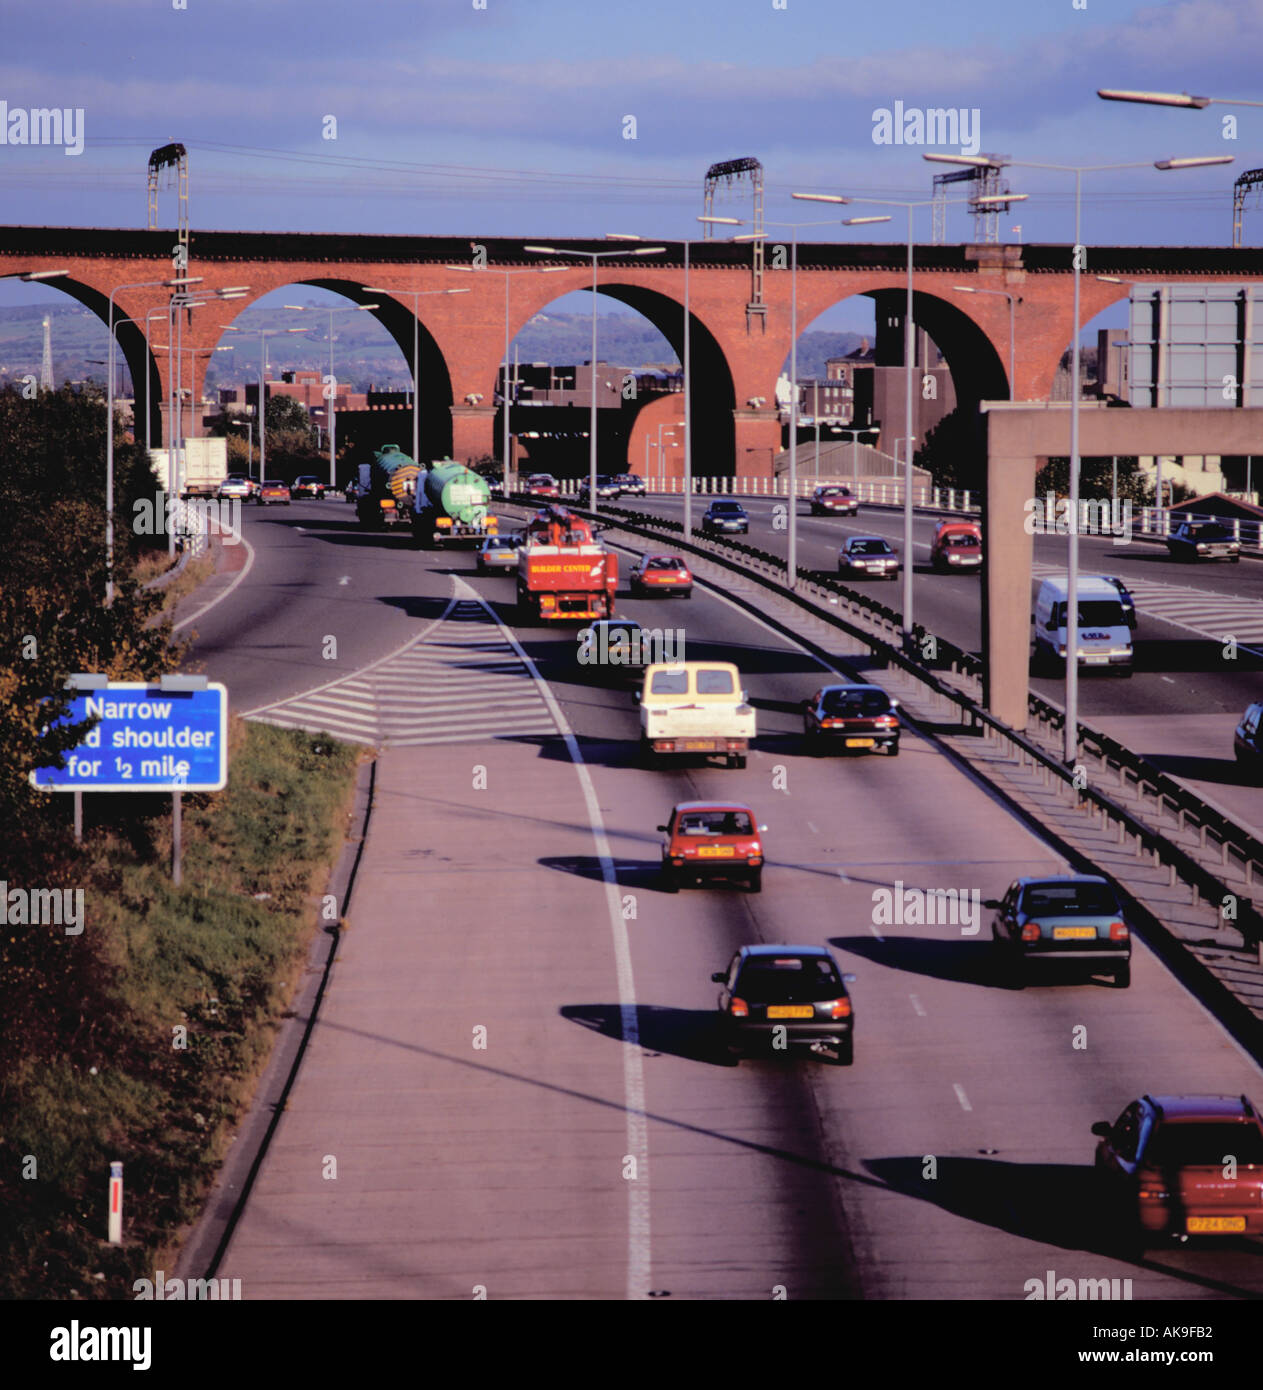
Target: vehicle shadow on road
{"points": [[963, 962], [1191, 655], [1054, 1203], [630, 873], [689, 1033]]}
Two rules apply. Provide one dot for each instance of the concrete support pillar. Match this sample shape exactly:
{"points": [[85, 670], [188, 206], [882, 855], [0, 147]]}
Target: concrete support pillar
{"points": [[1006, 606]]}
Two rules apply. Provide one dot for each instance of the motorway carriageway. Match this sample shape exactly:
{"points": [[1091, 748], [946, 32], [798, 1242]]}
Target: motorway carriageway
{"points": [[563, 1160], [1182, 704]]}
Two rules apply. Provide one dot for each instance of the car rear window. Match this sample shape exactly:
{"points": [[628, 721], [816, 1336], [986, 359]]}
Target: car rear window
{"points": [[714, 683], [665, 562], [715, 823], [1205, 1142], [1210, 533], [856, 702], [870, 548], [669, 683], [788, 980], [964, 540], [726, 507], [1070, 899]]}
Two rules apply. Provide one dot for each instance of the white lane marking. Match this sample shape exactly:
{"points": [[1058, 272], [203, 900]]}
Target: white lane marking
{"points": [[359, 671], [638, 1243], [916, 1004], [1168, 680], [961, 1096], [811, 825], [245, 570], [872, 926], [346, 579]]}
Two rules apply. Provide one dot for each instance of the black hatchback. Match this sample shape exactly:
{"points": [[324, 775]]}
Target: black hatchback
{"points": [[776, 997]]}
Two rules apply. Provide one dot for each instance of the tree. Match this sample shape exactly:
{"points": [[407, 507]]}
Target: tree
{"points": [[288, 416]]}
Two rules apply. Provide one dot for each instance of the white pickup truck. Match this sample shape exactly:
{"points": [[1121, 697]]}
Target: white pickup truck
{"points": [[694, 707]]}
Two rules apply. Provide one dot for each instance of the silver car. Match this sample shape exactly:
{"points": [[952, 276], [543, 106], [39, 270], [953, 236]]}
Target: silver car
{"points": [[868, 555], [499, 552]]}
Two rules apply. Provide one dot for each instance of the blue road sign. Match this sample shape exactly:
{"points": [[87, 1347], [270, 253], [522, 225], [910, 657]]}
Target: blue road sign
{"points": [[146, 740]]}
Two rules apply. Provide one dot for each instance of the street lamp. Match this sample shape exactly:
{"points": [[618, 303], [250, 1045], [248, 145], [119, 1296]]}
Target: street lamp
{"points": [[908, 354], [509, 474], [264, 335], [109, 412], [969, 289], [414, 295], [1170, 99], [594, 257], [333, 384], [1071, 749], [669, 426]]}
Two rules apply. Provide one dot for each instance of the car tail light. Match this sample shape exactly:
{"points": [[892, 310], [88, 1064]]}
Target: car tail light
{"points": [[830, 723], [677, 861], [754, 860], [738, 1008], [1032, 931], [888, 721], [1154, 1194], [1118, 931], [838, 1008]]}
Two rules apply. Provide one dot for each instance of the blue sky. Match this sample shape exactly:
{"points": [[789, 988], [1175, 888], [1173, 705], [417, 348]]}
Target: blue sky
{"points": [[511, 119]]}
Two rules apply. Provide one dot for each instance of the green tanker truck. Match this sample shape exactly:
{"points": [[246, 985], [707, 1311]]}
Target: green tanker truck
{"points": [[449, 506]]}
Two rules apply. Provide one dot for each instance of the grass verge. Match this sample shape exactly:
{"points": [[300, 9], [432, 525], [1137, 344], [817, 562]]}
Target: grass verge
{"points": [[189, 986]]}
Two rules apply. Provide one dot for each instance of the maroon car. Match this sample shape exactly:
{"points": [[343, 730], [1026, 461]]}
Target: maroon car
{"points": [[1181, 1166]]}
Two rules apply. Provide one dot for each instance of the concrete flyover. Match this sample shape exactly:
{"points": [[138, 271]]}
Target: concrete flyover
{"points": [[736, 356], [1019, 438]]}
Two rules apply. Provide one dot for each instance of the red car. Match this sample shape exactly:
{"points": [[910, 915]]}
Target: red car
{"points": [[541, 485], [712, 839], [660, 574], [272, 490], [1181, 1166], [829, 500]]}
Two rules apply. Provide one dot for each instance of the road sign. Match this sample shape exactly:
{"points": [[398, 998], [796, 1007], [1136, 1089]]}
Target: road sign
{"points": [[147, 740]]}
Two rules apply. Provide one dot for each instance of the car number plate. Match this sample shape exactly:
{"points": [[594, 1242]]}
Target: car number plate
{"points": [[860, 742], [1201, 1225], [1074, 933], [715, 852], [695, 745], [1096, 660], [790, 1011]]}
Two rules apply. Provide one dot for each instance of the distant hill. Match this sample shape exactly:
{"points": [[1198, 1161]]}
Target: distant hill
{"points": [[364, 353]]}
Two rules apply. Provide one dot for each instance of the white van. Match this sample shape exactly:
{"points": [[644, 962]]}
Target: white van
{"points": [[1104, 633]]}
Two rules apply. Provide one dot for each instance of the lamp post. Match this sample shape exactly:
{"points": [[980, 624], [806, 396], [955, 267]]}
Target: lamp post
{"points": [[968, 289], [175, 283], [414, 295], [332, 385], [1071, 748], [669, 426], [908, 355], [594, 257], [264, 335], [509, 480], [791, 564]]}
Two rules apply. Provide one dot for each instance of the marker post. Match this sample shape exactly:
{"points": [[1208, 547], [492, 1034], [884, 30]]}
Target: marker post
{"points": [[116, 1204]]}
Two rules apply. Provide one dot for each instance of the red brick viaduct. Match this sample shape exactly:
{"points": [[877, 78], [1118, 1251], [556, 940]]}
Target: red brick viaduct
{"points": [[736, 357]]}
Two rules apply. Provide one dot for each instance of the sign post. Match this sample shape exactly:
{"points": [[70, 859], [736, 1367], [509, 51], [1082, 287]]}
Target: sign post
{"points": [[164, 736]]}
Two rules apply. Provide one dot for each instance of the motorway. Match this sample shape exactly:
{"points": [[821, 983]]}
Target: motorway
{"points": [[592, 1142], [1182, 679]]}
